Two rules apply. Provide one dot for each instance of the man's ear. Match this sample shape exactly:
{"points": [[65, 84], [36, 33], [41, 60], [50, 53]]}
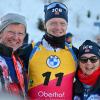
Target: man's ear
{"points": [[0, 36], [44, 26]]}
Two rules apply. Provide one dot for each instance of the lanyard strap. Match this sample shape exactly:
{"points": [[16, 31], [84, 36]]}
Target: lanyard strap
{"points": [[19, 74]]}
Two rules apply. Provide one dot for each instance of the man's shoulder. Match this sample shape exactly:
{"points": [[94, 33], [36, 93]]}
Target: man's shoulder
{"points": [[36, 44], [75, 50], [5, 51], [24, 50]]}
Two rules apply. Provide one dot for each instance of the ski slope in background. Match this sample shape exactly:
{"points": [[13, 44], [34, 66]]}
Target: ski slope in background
{"points": [[79, 24]]}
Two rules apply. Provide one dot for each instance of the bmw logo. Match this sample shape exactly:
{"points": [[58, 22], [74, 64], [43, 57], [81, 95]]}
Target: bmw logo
{"points": [[53, 61]]}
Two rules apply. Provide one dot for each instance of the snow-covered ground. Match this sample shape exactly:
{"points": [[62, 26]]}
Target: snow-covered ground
{"points": [[79, 24]]}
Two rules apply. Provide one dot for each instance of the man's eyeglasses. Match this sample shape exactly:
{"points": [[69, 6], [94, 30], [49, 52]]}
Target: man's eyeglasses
{"points": [[54, 4], [92, 59], [14, 33]]}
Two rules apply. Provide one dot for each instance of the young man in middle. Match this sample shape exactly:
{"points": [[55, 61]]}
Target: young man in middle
{"points": [[51, 64]]}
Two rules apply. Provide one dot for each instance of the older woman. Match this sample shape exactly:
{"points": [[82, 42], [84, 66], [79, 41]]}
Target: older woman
{"points": [[87, 84]]}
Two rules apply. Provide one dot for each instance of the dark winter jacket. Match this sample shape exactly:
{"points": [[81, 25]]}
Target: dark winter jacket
{"points": [[82, 92], [6, 54]]}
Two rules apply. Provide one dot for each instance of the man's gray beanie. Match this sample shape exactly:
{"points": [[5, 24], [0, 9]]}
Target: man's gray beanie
{"points": [[11, 18]]}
